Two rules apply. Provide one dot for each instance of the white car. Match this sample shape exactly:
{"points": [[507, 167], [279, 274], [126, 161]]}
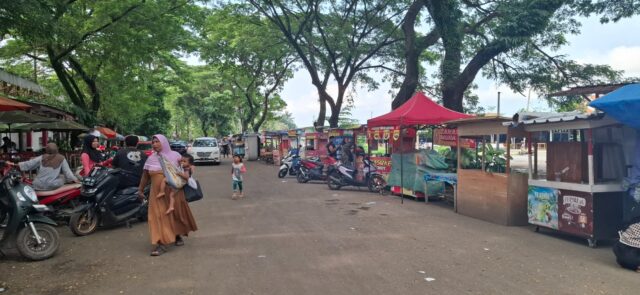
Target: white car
{"points": [[205, 150]]}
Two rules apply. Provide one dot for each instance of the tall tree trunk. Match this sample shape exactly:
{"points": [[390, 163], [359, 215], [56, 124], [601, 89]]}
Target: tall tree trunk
{"points": [[453, 96], [336, 107], [90, 82], [76, 98], [411, 56]]}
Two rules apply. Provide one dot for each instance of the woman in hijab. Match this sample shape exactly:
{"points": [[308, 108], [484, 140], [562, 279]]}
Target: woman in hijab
{"points": [[90, 154], [53, 169], [164, 228]]}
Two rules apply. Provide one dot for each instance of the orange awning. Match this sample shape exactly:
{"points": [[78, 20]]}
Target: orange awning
{"points": [[7, 104]]}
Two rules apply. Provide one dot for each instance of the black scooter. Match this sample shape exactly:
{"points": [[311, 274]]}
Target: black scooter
{"points": [[341, 175], [102, 204], [25, 226]]}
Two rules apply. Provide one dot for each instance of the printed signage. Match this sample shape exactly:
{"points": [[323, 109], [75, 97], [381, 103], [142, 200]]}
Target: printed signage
{"points": [[383, 164], [449, 137], [542, 207], [576, 212]]}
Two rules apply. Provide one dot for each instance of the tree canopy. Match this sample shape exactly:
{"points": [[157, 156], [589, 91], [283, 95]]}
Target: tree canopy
{"points": [[189, 67]]}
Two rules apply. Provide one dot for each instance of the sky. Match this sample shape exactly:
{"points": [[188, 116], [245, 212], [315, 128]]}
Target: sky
{"points": [[617, 45]]}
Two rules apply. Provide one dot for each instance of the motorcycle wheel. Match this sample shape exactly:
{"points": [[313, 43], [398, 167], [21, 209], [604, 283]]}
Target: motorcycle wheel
{"points": [[3, 218], [301, 178], [377, 184], [28, 246], [81, 225], [333, 184], [282, 173]]}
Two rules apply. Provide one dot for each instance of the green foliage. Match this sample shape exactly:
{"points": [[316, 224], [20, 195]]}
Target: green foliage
{"points": [[249, 54], [156, 121], [102, 53]]}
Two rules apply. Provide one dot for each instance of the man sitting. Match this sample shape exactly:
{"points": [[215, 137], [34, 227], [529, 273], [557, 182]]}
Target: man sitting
{"points": [[131, 161]]}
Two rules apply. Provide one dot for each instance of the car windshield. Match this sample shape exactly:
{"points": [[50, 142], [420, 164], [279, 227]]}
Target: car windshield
{"points": [[205, 143], [144, 146]]}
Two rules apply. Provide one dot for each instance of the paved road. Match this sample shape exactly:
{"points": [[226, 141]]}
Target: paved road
{"points": [[288, 238]]}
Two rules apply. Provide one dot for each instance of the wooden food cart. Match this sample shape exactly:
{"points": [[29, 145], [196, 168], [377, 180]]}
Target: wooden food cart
{"points": [[490, 185], [577, 187]]}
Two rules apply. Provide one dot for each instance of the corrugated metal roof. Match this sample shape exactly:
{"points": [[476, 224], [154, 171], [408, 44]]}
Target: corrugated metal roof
{"points": [[541, 118], [591, 89], [20, 82]]}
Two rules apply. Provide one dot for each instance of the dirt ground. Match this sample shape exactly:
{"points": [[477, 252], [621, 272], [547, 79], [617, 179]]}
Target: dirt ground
{"points": [[290, 238]]}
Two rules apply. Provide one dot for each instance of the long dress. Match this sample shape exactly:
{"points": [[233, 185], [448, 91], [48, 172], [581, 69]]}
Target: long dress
{"points": [[161, 225], [183, 221]]}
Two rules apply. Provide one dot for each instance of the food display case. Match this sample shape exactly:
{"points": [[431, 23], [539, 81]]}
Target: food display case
{"points": [[577, 163]]}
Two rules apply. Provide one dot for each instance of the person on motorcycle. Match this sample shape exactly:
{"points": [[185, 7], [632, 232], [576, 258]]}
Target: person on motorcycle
{"points": [[332, 151], [131, 162], [347, 153], [53, 169]]}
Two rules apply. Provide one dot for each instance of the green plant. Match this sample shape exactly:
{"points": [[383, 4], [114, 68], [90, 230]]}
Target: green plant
{"points": [[495, 159]]}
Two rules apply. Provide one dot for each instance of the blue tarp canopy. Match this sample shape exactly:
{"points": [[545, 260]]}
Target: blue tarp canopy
{"points": [[622, 104]]}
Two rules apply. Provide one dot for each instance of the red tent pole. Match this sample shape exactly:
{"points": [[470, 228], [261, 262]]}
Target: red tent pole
{"points": [[401, 163]]}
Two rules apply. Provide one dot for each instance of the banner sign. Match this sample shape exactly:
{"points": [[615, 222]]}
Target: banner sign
{"points": [[449, 137], [383, 164], [384, 133]]}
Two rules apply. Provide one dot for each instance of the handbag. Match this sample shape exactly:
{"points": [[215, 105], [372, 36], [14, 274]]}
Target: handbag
{"points": [[193, 194], [170, 172], [192, 183]]}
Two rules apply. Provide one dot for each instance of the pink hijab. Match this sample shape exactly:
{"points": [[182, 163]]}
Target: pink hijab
{"points": [[153, 162]]}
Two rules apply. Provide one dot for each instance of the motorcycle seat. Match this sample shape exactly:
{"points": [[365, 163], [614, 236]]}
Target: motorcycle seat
{"points": [[59, 190]]}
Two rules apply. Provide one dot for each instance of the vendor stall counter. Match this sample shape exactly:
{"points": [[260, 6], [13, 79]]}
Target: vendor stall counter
{"points": [[576, 188], [490, 186]]}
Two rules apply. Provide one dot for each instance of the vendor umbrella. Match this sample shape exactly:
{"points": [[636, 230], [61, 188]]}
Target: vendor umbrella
{"points": [[12, 117], [56, 126], [7, 104], [107, 132], [622, 104]]}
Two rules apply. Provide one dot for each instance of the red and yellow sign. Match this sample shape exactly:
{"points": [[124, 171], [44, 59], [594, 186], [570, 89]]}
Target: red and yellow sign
{"points": [[449, 137], [383, 164], [384, 133]]}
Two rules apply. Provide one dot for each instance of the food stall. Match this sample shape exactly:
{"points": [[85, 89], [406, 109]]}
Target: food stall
{"points": [[316, 144], [491, 183], [402, 123], [576, 183]]}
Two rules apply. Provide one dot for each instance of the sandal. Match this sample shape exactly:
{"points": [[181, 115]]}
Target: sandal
{"points": [[179, 241], [159, 250]]}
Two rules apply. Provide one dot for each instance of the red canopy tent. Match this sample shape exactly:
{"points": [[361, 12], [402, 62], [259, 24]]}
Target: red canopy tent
{"points": [[419, 110]]}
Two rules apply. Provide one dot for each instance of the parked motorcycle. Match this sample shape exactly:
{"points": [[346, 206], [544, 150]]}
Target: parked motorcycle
{"points": [[103, 204], [62, 200], [314, 169], [346, 176], [290, 165], [26, 227]]}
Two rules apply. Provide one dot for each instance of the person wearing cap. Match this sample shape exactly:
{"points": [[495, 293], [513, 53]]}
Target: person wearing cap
{"points": [[131, 162]]}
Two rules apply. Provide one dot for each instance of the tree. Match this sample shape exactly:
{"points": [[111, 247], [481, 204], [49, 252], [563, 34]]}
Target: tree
{"points": [[339, 40], [509, 41], [82, 41], [207, 97], [252, 57]]}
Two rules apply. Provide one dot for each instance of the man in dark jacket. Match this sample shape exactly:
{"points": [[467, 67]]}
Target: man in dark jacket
{"points": [[131, 161]]}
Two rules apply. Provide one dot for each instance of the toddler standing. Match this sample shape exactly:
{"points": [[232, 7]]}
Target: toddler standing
{"points": [[237, 170]]}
